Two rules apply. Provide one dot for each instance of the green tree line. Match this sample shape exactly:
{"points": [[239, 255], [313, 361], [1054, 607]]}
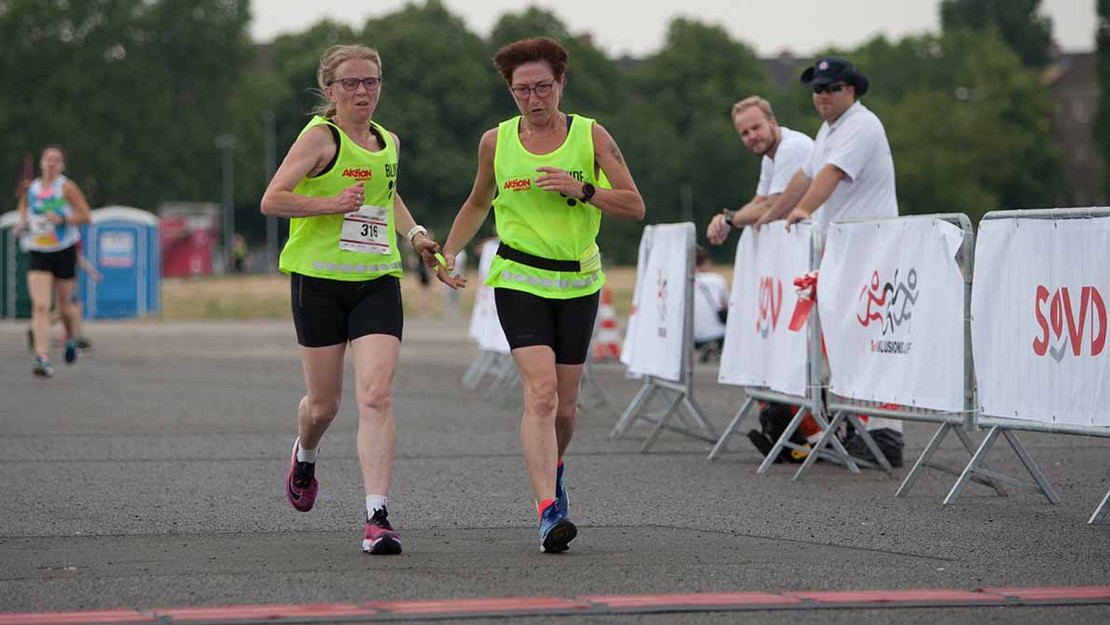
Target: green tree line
{"points": [[138, 91]]}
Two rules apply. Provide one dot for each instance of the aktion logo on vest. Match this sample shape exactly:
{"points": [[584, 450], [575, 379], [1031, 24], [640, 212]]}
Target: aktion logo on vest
{"points": [[518, 184], [358, 173]]}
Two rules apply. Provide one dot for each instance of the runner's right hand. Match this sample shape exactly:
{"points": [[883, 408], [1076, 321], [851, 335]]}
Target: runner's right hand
{"points": [[351, 199]]}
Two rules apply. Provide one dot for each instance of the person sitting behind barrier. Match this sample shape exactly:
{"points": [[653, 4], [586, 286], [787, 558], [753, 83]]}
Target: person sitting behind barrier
{"points": [[710, 307]]}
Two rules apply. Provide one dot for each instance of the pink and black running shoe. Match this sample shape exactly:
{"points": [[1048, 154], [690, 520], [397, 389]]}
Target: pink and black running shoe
{"points": [[380, 538], [300, 483]]}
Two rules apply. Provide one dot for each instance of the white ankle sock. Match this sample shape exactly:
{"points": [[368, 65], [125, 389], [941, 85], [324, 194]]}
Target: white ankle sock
{"points": [[306, 455], [375, 502]]}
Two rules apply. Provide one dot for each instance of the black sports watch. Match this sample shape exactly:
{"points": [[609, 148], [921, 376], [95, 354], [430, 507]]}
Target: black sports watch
{"points": [[588, 191], [728, 218]]}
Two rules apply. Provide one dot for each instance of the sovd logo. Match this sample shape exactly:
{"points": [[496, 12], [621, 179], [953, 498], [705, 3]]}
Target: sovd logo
{"points": [[770, 305], [1061, 313]]}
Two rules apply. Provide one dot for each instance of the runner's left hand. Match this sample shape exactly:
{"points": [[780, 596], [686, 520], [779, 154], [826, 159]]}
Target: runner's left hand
{"points": [[559, 181]]}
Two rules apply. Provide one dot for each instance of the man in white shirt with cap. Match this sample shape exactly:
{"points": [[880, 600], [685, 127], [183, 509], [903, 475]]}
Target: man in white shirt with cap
{"points": [[849, 175]]}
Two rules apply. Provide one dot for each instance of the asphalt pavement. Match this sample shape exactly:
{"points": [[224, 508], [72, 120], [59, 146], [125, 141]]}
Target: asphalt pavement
{"points": [[150, 475]]}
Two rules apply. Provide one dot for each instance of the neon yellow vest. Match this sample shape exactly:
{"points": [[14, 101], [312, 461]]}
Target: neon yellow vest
{"points": [[544, 223], [313, 245]]}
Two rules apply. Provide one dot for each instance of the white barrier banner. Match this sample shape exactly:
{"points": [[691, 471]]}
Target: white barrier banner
{"points": [[628, 347], [891, 300], [1039, 326], [485, 327], [760, 349], [657, 335]]}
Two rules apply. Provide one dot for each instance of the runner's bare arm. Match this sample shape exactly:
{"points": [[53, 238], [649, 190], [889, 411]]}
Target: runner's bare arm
{"points": [[310, 153], [77, 202], [623, 199], [476, 207]]}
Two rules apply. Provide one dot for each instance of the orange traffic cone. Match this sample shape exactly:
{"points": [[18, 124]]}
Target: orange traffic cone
{"points": [[607, 343]]}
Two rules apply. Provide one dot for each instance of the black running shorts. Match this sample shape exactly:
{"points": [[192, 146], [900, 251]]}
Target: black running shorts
{"points": [[332, 312], [565, 325], [63, 263]]}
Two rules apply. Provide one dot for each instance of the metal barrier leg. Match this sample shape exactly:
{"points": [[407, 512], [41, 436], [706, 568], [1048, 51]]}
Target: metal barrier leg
{"points": [[642, 396], [837, 454], [722, 442], [698, 415], [663, 418], [977, 459], [1100, 512], [872, 446], [784, 442], [1031, 466], [970, 447], [829, 432], [924, 459]]}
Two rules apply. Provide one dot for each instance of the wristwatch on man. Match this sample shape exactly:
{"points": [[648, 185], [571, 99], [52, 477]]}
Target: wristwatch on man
{"points": [[588, 191], [728, 218]]}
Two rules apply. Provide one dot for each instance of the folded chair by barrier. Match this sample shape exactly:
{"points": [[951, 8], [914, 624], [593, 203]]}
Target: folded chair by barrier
{"points": [[761, 355], [1040, 333], [659, 343], [880, 304]]}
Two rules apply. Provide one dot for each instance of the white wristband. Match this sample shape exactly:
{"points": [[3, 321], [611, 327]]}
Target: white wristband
{"points": [[415, 231]]}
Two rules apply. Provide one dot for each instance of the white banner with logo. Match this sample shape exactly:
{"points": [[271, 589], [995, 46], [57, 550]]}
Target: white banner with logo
{"points": [[1039, 320], [485, 327], [655, 343], [760, 349], [891, 300]]}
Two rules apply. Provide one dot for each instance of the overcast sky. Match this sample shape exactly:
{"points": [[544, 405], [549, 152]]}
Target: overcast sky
{"points": [[638, 28]]}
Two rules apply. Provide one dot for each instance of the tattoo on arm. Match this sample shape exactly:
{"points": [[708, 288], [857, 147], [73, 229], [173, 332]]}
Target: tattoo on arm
{"points": [[616, 151]]}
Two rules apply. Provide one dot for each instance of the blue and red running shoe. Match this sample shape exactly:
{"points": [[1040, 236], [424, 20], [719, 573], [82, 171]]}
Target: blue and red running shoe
{"points": [[380, 538], [300, 483], [556, 530]]}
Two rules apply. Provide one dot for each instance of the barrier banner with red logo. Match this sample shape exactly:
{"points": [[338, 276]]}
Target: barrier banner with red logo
{"points": [[1039, 320], [891, 299], [655, 341], [485, 326], [760, 349]]}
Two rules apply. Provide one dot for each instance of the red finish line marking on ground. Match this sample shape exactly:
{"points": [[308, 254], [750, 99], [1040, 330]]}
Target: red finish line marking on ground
{"points": [[588, 604]]}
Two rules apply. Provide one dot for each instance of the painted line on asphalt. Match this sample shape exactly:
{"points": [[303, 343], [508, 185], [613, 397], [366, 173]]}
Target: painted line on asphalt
{"points": [[383, 611]]}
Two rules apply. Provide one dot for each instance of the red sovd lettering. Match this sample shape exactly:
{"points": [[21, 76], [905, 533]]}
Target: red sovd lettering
{"points": [[1061, 313]]}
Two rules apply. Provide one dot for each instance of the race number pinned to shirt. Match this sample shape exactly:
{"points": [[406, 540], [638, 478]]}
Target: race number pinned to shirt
{"points": [[42, 230], [366, 230]]}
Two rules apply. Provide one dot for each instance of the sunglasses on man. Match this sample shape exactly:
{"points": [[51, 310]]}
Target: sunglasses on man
{"points": [[834, 88]]}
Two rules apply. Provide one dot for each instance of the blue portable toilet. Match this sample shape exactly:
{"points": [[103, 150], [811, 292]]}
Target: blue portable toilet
{"points": [[124, 245]]}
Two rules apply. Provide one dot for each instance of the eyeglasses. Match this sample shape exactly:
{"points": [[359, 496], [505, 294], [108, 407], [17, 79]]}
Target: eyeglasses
{"points": [[541, 90], [837, 88], [351, 84]]}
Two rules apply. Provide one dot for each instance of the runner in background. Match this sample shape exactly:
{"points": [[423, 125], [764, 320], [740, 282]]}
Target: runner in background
{"points": [[49, 214], [542, 172], [82, 342], [338, 186]]}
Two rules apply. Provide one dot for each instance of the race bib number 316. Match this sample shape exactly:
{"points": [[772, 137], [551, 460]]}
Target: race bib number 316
{"points": [[366, 230]]}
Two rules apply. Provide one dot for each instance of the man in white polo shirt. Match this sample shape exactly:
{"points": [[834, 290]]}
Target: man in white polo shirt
{"points": [[784, 151], [849, 175]]}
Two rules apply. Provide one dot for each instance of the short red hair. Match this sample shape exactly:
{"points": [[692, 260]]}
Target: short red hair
{"points": [[524, 51]]}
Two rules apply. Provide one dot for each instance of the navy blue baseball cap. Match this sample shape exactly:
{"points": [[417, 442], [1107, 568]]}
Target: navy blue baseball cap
{"points": [[830, 69]]}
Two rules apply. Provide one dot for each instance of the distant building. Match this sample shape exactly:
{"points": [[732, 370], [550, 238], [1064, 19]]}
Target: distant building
{"points": [[1074, 87]]}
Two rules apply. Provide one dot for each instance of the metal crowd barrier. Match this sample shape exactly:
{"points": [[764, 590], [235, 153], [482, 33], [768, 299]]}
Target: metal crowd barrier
{"points": [[1008, 428]]}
